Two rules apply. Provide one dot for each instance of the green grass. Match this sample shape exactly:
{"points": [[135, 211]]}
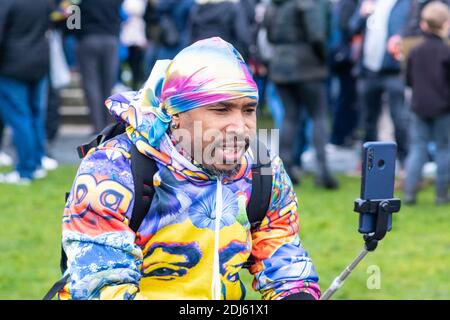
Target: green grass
{"points": [[414, 258]]}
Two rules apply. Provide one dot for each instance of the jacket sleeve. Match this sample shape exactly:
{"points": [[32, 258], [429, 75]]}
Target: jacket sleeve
{"points": [[281, 266], [347, 9], [357, 22], [103, 260], [398, 25], [314, 23]]}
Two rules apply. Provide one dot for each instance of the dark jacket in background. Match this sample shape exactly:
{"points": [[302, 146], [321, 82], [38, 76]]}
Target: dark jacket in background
{"points": [[166, 23], [226, 20], [428, 74], [249, 7], [100, 17], [413, 26], [340, 43], [297, 31], [24, 51]]}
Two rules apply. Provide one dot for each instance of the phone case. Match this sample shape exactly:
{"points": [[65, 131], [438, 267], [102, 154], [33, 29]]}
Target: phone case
{"points": [[378, 178]]}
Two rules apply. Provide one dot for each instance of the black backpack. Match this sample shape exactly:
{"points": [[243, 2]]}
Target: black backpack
{"points": [[143, 168]]}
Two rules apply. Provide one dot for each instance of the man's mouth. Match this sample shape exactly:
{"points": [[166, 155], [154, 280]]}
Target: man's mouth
{"points": [[233, 154], [230, 153]]}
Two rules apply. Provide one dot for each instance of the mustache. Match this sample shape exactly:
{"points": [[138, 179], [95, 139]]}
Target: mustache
{"points": [[236, 141]]}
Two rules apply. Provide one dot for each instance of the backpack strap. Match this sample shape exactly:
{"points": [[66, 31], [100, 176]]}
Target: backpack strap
{"points": [[107, 133], [143, 169], [261, 188], [259, 202], [57, 287]]}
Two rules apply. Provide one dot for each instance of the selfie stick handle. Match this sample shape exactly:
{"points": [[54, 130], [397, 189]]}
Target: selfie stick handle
{"points": [[338, 282], [382, 209]]}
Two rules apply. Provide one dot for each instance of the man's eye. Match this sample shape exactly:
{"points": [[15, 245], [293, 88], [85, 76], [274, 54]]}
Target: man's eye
{"points": [[220, 110], [250, 111]]}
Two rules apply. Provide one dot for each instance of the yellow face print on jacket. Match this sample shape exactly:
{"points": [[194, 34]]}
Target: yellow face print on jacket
{"points": [[174, 269]]}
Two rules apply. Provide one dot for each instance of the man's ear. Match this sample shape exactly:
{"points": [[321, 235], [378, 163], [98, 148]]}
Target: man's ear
{"points": [[176, 118], [424, 26], [446, 29]]}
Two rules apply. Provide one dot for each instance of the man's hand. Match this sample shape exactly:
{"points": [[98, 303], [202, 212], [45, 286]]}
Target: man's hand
{"points": [[395, 47]]}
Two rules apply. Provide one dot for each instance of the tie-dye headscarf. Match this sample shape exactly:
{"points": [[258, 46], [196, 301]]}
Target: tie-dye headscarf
{"points": [[207, 72]]}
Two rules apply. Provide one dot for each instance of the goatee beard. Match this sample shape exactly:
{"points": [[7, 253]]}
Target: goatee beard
{"points": [[222, 173]]}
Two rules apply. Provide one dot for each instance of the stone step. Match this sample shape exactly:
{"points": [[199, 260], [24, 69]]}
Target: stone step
{"points": [[72, 97], [73, 111], [75, 80], [74, 114]]}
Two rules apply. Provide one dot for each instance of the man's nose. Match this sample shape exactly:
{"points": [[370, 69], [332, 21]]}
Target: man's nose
{"points": [[237, 126]]}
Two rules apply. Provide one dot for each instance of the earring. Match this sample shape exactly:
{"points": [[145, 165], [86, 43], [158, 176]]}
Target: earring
{"points": [[173, 125]]}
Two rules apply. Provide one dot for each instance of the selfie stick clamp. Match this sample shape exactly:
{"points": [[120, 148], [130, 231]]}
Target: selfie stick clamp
{"points": [[382, 209]]}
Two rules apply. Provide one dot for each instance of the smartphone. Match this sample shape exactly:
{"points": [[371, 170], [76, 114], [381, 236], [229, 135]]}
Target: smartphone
{"points": [[378, 178]]}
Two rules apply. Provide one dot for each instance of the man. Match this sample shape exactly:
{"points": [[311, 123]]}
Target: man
{"points": [[428, 75], [413, 26], [227, 19], [413, 34], [98, 54], [24, 64], [297, 31], [382, 23], [196, 236]]}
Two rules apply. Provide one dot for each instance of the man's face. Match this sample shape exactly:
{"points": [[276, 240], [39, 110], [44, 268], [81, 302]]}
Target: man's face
{"points": [[218, 134]]}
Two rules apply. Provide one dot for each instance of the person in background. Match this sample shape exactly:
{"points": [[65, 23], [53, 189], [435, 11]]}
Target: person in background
{"points": [[297, 31], [133, 37], [263, 55], [226, 19], [382, 22], [167, 27], [345, 113], [428, 74], [24, 65], [52, 123], [98, 41], [5, 159], [413, 26]]}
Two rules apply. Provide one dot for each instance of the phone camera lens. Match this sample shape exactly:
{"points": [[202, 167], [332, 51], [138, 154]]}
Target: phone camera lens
{"points": [[370, 159], [381, 164]]}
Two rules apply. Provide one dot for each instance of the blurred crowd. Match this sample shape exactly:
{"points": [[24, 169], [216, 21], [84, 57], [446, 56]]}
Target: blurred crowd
{"points": [[325, 70]]}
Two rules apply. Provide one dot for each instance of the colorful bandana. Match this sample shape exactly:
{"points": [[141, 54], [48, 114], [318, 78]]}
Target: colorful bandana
{"points": [[207, 72]]}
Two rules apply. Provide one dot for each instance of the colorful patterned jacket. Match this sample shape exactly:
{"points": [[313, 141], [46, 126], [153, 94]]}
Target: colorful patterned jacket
{"points": [[195, 238]]}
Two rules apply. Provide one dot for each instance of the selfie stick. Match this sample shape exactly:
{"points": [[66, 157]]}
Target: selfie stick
{"points": [[383, 209]]}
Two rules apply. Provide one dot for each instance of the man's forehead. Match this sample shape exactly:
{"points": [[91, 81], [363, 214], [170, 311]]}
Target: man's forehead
{"points": [[237, 103]]}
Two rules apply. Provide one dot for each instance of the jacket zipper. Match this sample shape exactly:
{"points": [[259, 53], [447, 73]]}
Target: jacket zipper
{"points": [[216, 287]]}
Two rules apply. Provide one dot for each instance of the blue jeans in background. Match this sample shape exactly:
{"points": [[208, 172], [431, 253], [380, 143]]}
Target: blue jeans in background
{"points": [[275, 104], [345, 118], [23, 110], [374, 86], [422, 132]]}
